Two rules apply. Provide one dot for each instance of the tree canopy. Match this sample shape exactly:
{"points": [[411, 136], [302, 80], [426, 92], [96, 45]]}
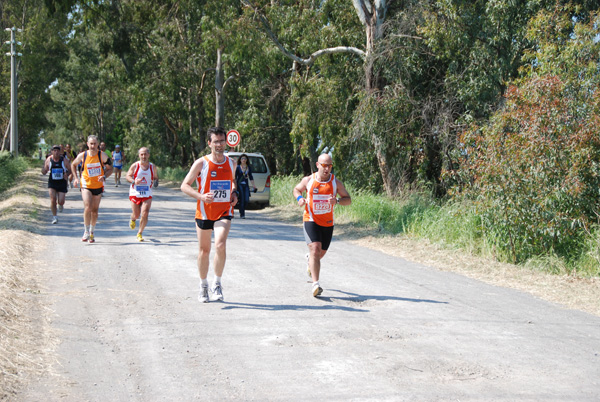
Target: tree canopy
{"points": [[387, 87]]}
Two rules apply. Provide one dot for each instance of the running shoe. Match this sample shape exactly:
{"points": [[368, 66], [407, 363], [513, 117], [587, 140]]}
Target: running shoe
{"points": [[54, 220], [131, 224], [117, 185], [86, 236], [91, 239], [217, 292], [61, 208], [203, 295], [139, 237], [317, 290]]}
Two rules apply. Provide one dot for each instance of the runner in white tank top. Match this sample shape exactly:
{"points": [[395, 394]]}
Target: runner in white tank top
{"points": [[143, 178]]}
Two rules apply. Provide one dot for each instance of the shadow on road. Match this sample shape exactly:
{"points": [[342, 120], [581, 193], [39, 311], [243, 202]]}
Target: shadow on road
{"points": [[356, 298], [287, 307]]}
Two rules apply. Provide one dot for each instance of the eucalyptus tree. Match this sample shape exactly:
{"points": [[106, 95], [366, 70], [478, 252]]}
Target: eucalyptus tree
{"points": [[43, 52]]}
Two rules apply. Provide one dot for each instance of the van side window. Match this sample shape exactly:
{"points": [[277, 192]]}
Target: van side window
{"points": [[258, 165]]}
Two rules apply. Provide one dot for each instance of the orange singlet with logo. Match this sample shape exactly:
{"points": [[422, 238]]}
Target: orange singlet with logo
{"points": [[218, 179], [317, 208], [93, 169]]}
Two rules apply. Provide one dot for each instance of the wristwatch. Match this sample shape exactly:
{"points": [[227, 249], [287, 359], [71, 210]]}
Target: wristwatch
{"points": [[338, 200]]}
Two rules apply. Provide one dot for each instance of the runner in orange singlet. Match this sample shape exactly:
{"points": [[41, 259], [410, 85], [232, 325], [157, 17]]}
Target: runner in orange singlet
{"points": [[96, 167], [216, 195], [322, 189]]}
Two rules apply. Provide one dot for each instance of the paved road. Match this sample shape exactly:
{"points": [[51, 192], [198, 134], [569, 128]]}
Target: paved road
{"points": [[131, 327]]}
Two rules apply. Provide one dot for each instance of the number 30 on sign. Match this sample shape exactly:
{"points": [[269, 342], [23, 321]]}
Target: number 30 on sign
{"points": [[233, 138]]}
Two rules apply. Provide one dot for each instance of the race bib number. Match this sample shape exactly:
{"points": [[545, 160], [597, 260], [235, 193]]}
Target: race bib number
{"points": [[221, 190], [142, 190], [321, 204], [57, 174], [94, 169]]}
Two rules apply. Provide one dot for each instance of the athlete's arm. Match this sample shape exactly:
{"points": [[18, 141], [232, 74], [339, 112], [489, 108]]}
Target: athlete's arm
{"points": [[234, 191], [299, 189], [344, 198], [74, 164], [186, 186], [68, 167], [45, 169], [129, 176], [155, 184], [107, 164]]}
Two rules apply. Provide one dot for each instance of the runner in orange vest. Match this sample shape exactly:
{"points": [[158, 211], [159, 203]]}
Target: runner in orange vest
{"points": [[96, 167], [216, 195], [322, 189]]}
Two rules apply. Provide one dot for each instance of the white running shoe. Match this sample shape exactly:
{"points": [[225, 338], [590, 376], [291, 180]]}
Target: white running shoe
{"points": [[61, 208], [86, 236], [217, 292], [54, 220], [203, 295], [317, 290]]}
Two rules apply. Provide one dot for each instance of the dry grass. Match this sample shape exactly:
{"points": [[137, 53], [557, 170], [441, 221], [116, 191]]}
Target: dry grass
{"points": [[24, 339], [570, 291]]}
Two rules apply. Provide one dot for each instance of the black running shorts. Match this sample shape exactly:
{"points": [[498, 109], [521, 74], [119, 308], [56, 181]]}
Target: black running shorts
{"points": [[315, 233], [208, 224], [59, 185], [95, 191]]}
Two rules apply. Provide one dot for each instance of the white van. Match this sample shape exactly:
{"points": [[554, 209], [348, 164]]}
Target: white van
{"points": [[262, 178]]}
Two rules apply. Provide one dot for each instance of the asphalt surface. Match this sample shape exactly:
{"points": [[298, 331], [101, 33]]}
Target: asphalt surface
{"points": [[131, 327]]}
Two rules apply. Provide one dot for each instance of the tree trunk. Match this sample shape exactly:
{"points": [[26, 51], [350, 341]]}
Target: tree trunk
{"points": [[373, 32], [220, 100]]}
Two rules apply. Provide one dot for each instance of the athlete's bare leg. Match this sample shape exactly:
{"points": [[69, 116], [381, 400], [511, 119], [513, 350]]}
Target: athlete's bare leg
{"points": [[91, 204], [135, 211], [145, 211], [53, 195], [315, 253], [61, 198], [221, 232], [204, 238]]}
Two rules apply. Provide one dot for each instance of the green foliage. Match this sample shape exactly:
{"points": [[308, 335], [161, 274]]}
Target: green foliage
{"points": [[535, 169], [176, 174], [281, 189], [44, 50], [11, 168]]}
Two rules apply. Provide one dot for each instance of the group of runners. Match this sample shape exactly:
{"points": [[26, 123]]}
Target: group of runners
{"points": [[216, 194], [90, 169]]}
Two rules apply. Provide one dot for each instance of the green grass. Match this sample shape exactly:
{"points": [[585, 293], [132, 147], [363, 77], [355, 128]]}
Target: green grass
{"points": [[453, 225], [173, 174], [11, 168]]}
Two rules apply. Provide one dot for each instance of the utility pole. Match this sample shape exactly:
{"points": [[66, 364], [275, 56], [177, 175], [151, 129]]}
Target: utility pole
{"points": [[14, 127]]}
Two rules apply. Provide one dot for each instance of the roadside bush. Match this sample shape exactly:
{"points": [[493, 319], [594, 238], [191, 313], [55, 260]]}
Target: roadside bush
{"points": [[11, 168], [176, 174], [535, 170]]}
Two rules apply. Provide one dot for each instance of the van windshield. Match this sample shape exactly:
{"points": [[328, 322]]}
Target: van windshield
{"points": [[258, 164]]}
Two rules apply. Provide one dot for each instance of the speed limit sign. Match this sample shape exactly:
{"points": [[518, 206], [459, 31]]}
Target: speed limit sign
{"points": [[233, 138]]}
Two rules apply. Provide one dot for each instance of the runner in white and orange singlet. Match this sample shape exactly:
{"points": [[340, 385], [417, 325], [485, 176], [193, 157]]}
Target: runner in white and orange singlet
{"points": [[96, 167], [216, 196], [322, 189], [143, 178]]}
